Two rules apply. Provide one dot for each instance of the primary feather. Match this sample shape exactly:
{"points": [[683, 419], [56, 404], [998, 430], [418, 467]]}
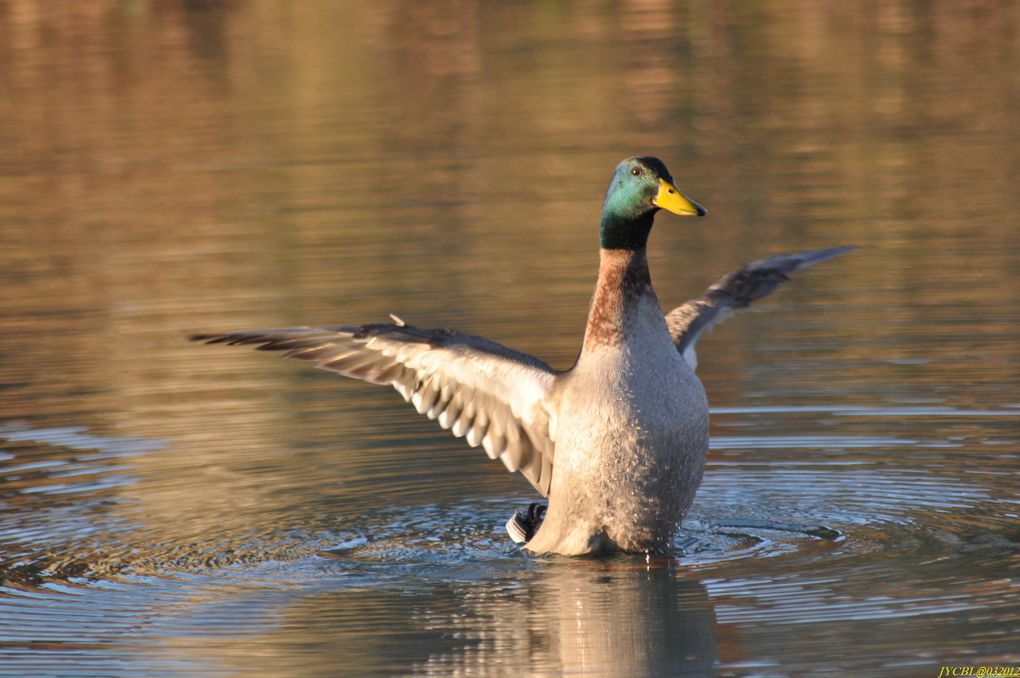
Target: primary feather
{"points": [[734, 291], [480, 390]]}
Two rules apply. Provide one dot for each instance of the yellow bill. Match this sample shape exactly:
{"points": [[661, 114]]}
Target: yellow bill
{"points": [[672, 200]]}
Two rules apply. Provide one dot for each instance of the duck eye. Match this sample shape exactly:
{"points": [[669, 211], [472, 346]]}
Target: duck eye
{"points": [[636, 171]]}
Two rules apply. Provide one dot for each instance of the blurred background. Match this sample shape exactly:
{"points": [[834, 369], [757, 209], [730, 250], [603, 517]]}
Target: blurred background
{"points": [[178, 166]]}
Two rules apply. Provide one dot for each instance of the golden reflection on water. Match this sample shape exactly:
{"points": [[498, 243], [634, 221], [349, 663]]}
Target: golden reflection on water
{"points": [[170, 167], [575, 618]]}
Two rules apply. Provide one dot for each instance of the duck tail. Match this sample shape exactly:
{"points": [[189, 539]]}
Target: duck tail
{"points": [[522, 526]]}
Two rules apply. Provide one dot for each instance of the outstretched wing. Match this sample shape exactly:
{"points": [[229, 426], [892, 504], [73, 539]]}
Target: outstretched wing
{"points": [[735, 290], [478, 389]]}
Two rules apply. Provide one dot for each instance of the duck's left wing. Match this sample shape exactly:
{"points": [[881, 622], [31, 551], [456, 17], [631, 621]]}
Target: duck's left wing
{"points": [[488, 393], [736, 290]]}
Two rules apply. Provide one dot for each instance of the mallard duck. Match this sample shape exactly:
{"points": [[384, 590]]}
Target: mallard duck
{"points": [[617, 443]]}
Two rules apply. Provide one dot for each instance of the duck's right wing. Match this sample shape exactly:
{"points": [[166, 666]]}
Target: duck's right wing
{"points": [[492, 395], [736, 290]]}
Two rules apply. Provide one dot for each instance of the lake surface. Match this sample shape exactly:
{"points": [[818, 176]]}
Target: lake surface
{"points": [[172, 167]]}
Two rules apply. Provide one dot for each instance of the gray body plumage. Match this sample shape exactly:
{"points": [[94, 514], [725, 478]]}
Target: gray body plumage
{"points": [[632, 427]]}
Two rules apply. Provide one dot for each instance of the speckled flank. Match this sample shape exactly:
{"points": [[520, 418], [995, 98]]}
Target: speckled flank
{"points": [[623, 280]]}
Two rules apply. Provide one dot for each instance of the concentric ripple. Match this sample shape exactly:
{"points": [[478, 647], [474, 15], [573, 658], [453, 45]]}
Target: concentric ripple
{"points": [[826, 529]]}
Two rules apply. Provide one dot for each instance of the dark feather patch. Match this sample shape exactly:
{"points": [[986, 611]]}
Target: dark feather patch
{"points": [[738, 289]]}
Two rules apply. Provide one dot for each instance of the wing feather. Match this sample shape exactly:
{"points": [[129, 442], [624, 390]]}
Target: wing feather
{"points": [[480, 390], [736, 290]]}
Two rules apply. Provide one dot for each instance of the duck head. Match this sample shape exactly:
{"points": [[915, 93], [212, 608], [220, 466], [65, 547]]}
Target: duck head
{"points": [[640, 187]]}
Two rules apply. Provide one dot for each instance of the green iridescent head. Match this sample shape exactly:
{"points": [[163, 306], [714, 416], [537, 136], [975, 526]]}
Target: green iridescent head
{"points": [[640, 187]]}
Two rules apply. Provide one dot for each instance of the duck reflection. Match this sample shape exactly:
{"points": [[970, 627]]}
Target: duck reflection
{"points": [[620, 617]]}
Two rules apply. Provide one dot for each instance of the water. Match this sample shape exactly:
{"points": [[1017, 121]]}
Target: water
{"points": [[173, 167]]}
